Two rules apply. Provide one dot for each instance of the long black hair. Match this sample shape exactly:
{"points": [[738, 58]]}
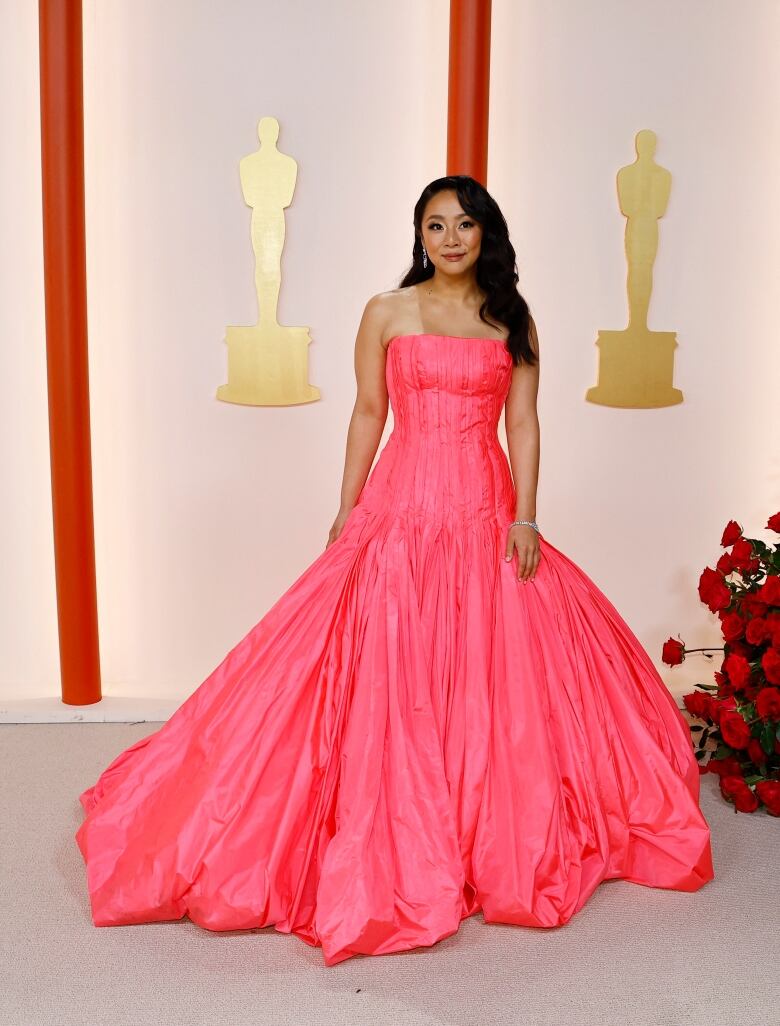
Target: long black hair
{"points": [[496, 268]]}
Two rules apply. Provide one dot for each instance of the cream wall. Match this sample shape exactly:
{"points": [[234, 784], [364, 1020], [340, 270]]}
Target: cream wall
{"points": [[206, 512]]}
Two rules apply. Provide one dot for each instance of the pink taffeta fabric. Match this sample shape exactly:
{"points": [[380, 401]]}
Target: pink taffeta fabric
{"points": [[411, 734]]}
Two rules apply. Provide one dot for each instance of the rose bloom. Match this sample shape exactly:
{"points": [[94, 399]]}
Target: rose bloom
{"points": [[756, 630], [741, 554], [698, 704], [738, 669], [713, 590], [731, 533], [773, 630], [721, 705], [735, 789], [756, 752], [673, 652], [732, 626], [724, 564], [752, 605], [768, 704], [734, 731], [770, 664], [728, 767], [769, 591], [769, 793]]}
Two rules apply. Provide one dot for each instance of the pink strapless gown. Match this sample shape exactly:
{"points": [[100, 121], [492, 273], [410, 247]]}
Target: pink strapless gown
{"points": [[410, 734]]}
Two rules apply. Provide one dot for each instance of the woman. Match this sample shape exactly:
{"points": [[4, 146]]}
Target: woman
{"points": [[443, 714]]}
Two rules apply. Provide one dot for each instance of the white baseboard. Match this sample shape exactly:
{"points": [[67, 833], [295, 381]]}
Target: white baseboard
{"points": [[110, 709]]}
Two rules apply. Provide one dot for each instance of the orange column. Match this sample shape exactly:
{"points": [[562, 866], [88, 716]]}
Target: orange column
{"points": [[64, 252], [469, 89]]}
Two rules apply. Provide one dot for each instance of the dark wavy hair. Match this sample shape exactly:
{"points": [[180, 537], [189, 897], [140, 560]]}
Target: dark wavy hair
{"points": [[496, 268]]}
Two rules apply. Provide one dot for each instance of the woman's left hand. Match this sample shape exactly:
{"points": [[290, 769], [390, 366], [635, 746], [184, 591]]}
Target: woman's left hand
{"points": [[525, 540]]}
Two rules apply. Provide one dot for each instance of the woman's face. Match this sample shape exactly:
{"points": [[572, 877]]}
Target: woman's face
{"points": [[451, 237]]}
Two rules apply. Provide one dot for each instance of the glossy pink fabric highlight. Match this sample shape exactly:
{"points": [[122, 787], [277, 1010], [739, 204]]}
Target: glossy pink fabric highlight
{"points": [[410, 734]]}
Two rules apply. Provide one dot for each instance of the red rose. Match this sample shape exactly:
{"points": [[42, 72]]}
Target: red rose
{"points": [[739, 647], [769, 591], [774, 523], [753, 606], [724, 564], [769, 793], [728, 767], [768, 704], [772, 621], [713, 590], [731, 533], [737, 668], [741, 553], [756, 752], [732, 626], [673, 652], [698, 704], [718, 707], [735, 789], [733, 729], [724, 684], [756, 630], [752, 689], [770, 664]]}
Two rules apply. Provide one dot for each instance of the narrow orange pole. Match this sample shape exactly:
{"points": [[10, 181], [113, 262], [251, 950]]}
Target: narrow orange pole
{"points": [[469, 89], [64, 262]]}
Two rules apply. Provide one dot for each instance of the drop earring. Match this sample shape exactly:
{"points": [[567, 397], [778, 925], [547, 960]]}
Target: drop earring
{"points": [[425, 257]]}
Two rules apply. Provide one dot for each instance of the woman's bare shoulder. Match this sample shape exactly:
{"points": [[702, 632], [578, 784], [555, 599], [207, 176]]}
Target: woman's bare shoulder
{"points": [[391, 300], [386, 310]]}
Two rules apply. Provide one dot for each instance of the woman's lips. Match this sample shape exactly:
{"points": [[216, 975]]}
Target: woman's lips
{"points": [[453, 256]]}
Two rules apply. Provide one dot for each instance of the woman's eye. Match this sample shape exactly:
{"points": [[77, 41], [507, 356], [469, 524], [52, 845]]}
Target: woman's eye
{"points": [[468, 224]]}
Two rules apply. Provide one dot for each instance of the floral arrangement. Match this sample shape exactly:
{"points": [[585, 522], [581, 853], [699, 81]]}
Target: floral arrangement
{"points": [[740, 712]]}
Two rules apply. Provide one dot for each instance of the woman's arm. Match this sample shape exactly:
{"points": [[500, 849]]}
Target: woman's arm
{"points": [[522, 434], [369, 413]]}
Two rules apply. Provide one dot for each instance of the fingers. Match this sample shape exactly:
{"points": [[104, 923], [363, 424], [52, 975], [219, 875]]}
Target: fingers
{"points": [[528, 560]]}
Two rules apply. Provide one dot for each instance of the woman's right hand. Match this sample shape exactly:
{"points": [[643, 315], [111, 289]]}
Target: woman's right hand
{"points": [[338, 526]]}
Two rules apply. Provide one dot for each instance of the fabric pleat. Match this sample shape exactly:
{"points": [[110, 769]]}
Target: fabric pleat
{"points": [[410, 735]]}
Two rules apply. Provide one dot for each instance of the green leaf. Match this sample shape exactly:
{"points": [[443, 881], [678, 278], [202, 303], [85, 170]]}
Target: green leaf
{"points": [[768, 738]]}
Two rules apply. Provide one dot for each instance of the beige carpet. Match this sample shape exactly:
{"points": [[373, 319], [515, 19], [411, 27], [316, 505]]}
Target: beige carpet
{"points": [[633, 954]]}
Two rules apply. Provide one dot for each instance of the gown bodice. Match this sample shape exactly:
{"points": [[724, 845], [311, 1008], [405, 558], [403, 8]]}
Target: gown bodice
{"points": [[443, 458]]}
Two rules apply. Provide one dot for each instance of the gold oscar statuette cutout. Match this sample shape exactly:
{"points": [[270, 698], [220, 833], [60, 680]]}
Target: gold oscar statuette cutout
{"points": [[636, 365], [267, 362]]}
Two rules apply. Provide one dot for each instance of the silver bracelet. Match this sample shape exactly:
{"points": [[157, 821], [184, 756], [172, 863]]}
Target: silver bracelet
{"points": [[531, 523]]}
